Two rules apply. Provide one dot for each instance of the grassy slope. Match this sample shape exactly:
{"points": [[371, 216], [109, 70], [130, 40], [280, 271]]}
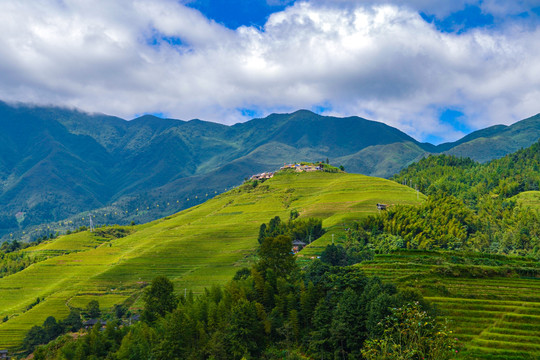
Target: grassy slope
{"points": [[196, 248], [529, 199], [496, 317]]}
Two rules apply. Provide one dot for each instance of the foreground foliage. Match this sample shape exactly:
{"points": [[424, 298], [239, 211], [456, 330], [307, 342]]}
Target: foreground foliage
{"points": [[411, 333]]}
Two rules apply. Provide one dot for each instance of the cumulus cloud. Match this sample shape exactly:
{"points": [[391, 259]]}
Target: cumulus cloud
{"points": [[383, 62]]}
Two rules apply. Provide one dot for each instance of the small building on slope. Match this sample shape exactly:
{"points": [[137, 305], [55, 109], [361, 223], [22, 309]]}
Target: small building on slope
{"points": [[297, 245]]}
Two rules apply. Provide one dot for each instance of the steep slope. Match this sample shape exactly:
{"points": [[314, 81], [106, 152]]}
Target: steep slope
{"points": [[45, 165], [196, 248], [483, 133], [382, 160]]}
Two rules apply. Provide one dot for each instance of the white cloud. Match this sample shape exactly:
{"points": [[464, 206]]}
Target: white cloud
{"points": [[381, 61]]}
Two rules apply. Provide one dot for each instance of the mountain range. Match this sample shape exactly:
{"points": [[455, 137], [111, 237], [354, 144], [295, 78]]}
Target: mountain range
{"points": [[57, 164]]}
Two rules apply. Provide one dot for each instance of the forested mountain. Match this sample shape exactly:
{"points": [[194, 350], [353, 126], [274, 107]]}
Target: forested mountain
{"points": [[471, 206], [57, 164], [464, 178], [495, 141]]}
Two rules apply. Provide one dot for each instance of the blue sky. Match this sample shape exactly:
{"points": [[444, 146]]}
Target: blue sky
{"points": [[436, 70], [235, 13]]}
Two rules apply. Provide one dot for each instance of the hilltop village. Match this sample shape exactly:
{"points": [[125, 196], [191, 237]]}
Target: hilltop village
{"points": [[305, 167], [298, 167]]}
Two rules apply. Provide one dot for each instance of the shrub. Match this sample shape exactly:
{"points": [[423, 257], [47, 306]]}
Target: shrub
{"points": [[411, 333]]}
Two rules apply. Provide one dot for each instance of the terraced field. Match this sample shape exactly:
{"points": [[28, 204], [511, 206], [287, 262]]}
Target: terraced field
{"points": [[196, 248], [493, 302], [529, 199]]}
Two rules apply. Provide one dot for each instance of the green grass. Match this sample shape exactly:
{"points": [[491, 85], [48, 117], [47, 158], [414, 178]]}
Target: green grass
{"points": [[196, 248], [529, 199], [81, 241]]}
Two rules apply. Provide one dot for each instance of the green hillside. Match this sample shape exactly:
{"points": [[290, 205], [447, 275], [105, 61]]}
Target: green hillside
{"points": [[196, 248], [383, 160], [491, 301], [529, 199], [471, 248]]}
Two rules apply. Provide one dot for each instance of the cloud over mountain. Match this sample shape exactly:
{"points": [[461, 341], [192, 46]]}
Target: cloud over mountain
{"points": [[379, 61]]}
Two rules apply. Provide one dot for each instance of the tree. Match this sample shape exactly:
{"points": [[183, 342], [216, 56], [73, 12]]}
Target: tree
{"points": [[73, 321], [275, 254], [334, 255], [308, 301], [120, 310], [348, 328], [159, 298], [242, 274], [245, 333], [274, 226], [52, 328], [320, 343], [92, 309], [262, 233], [179, 334], [411, 333], [34, 337], [293, 214], [138, 343]]}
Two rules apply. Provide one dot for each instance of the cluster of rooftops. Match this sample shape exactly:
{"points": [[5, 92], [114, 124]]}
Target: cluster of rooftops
{"points": [[88, 324], [296, 167], [300, 167]]}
